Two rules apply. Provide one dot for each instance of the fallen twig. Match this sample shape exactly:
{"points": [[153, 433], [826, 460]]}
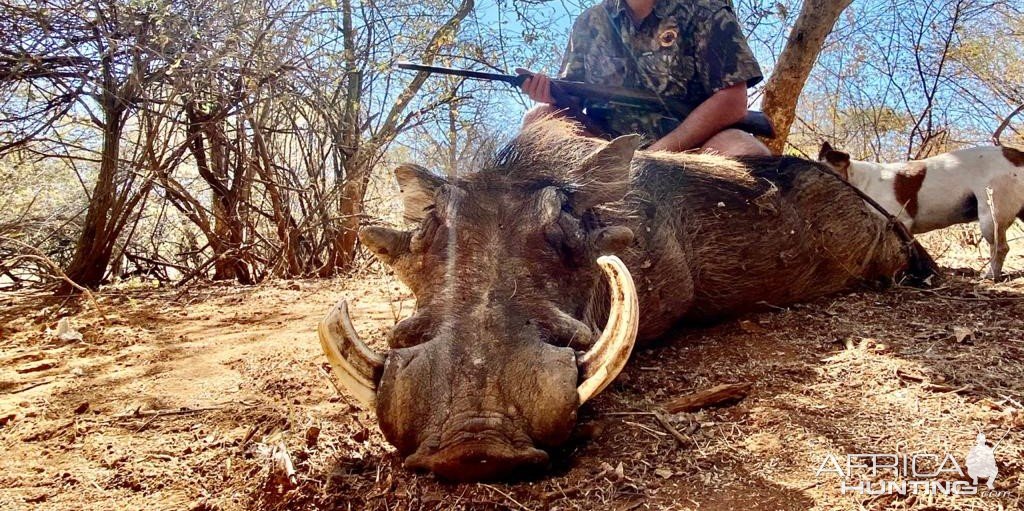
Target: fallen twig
{"points": [[680, 439], [560, 494], [329, 380], [935, 387], [164, 413], [969, 298], [507, 496], [284, 465], [30, 386], [55, 268], [654, 432], [715, 396]]}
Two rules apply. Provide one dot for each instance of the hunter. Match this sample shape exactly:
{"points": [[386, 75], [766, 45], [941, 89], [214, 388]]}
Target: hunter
{"points": [[692, 50]]}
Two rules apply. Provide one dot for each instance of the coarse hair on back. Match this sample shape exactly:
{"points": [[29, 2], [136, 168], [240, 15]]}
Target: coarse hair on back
{"points": [[552, 149], [544, 150]]}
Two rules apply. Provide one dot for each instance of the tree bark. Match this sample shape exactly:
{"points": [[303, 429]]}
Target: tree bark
{"points": [[781, 93], [96, 243]]}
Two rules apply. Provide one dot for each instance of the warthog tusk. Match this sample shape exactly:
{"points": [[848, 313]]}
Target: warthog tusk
{"points": [[357, 366], [603, 362]]}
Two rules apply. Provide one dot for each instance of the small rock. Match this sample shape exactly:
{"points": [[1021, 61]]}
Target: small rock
{"points": [[312, 436], [64, 331], [663, 473]]}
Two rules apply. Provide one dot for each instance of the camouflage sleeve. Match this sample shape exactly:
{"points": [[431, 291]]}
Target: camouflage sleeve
{"points": [[723, 56], [573, 62]]}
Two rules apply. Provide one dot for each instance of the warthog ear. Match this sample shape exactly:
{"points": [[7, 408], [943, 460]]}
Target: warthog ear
{"points": [[386, 244], [417, 186], [603, 176]]}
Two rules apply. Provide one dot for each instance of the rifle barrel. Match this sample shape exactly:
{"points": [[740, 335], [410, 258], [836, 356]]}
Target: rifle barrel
{"points": [[479, 75]]}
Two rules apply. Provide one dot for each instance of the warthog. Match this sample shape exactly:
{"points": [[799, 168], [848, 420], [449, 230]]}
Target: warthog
{"points": [[516, 267]]}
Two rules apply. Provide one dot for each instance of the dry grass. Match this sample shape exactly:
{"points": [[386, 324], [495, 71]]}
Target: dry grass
{"points": [[865, 372]]}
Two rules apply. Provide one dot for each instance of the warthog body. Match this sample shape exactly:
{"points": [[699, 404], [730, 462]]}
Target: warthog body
{"points": [[483, 378]]}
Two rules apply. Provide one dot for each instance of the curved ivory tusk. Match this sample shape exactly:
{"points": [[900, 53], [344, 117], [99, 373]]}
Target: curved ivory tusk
{"points": [[603, 362], [356, 366]]}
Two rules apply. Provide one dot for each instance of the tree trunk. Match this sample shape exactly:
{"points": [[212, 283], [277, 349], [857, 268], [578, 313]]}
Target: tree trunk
{"points": [[229, 192], [96, 243], [781, 93]]}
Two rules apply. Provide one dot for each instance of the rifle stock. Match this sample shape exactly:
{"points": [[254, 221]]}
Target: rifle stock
{"points": [[568, 93]]}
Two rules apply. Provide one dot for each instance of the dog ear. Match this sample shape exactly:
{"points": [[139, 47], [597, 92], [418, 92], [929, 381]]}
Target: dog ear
{"points": [[838, 160], [826, 148]]}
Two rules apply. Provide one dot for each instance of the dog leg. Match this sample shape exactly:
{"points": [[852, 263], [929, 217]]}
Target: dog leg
{"points": [[994, 225]]}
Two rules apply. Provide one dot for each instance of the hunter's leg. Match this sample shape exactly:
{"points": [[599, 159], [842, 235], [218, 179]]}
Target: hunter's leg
{"points": [[732, 142]]}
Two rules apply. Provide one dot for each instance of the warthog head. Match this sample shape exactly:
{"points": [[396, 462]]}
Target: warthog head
{"points": [[513, 276]]}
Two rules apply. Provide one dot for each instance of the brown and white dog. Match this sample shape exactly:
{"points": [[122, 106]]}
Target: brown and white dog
{"points": [[981, 183]]}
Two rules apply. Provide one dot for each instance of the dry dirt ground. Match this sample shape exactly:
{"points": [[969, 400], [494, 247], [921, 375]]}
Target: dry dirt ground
{"points": [[187, 400]]}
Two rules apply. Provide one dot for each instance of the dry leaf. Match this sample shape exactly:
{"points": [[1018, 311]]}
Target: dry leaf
{"points": [[962, 333]]}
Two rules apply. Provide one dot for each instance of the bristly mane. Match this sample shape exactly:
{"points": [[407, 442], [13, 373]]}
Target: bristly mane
{"points": [[530, 154], [549, 149]]}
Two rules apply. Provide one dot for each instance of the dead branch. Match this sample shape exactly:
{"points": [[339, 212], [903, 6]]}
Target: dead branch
{"points": [[718, 395]]}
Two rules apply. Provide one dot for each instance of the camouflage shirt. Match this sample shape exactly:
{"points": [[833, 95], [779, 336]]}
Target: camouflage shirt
{"points": [[687, 49]]}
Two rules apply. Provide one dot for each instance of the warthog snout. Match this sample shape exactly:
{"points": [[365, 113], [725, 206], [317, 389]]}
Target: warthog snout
{"points": [[480, 461]]}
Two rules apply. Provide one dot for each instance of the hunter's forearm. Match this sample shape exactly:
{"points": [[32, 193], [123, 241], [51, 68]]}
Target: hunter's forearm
{"points": [[723, 109]]}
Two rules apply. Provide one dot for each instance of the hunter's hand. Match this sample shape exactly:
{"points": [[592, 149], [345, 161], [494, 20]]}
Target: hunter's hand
{"points": [[537, 87]]}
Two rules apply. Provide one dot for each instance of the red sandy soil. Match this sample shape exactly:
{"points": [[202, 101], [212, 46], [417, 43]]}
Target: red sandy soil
{"points": [[185, 400]]}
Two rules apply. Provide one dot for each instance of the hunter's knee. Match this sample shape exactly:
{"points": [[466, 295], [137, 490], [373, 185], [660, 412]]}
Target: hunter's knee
{"points": [[733, 142]]}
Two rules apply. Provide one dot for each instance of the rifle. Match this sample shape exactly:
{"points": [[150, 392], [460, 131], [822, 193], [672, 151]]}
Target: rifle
{"points": [[569, 94]]}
